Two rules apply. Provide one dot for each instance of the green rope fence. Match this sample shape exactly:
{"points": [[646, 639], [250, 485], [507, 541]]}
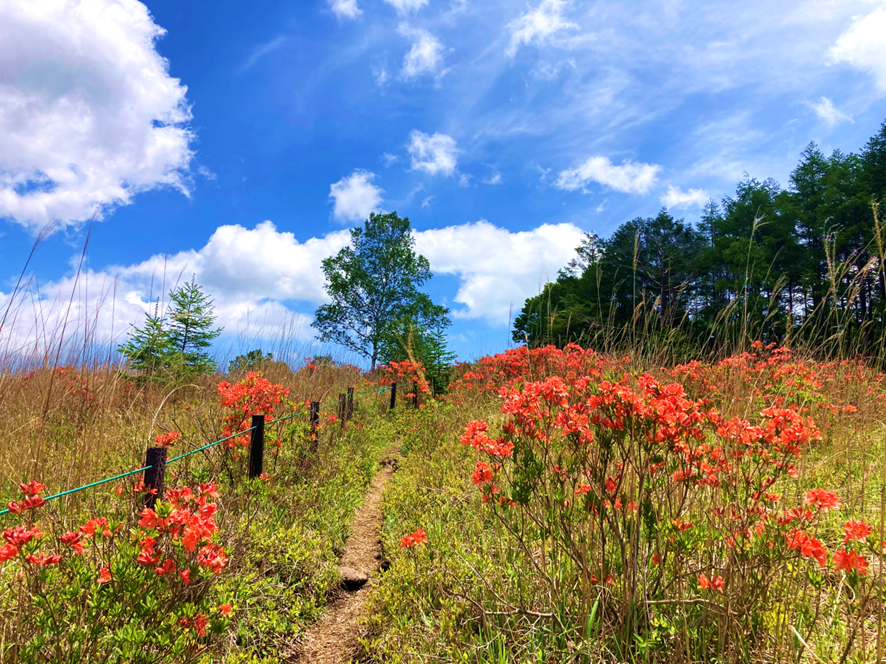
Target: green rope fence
{"points": [[186, 454]]}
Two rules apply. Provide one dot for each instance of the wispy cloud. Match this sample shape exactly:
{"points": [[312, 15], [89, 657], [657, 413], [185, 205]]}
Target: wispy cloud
{"points": [[538, 24], [259, 52], [433, 154], [828, 113], [495, 179], [677, 198], [405, 6], [345, 8], [629, 177], [425, 56]]}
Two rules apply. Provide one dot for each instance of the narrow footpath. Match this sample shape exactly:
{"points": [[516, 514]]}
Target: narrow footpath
{"points": [[333, 638]]}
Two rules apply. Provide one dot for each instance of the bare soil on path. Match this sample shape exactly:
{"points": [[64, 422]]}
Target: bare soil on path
{"points": [[333, 639]]}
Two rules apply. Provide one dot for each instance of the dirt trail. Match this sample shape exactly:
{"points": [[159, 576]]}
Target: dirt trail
{"points": [[333, 638]]}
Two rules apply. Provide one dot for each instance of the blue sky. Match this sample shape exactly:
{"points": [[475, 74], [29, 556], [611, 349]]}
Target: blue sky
{"points": [[238, 142]]}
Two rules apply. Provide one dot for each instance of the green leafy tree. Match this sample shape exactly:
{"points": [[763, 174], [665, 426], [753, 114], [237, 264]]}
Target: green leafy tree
{"points": [[374, 283], [251, 361], [191, 329]]}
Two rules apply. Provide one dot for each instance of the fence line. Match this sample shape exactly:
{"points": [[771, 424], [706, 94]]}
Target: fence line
{"points": [[159, 480]]}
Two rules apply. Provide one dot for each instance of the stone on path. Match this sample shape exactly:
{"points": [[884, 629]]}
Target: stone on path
{"points": [[352, 579]]}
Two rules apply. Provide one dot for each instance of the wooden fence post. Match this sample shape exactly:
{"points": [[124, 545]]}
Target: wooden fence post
{"points": [[256, 446], [315, 418], [415, 394], [350, 409], [315, 424], [393, 395], [342, 408], [155, 475]]}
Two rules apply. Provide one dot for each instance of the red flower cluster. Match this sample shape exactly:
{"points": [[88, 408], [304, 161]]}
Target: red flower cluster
{"points": [[856, 530], [167, 439], [251, 396], [16, 539], [406, 372], [187, 518], [198, 623], [412, 539], [808, 546], [850, 561], [822, 500], [714, 583], [31, 500]]}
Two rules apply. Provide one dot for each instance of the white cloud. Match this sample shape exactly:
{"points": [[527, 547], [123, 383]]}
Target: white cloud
{"points": [[381, 76], [254, 275], [425, 56], [677, 198], [404, 6], [355, 196], [345, 8], [630, 177], [432, 154], [249, 273], [495, 179], [863, 46], [828, 113], [90, 116], [427, 202], [539, 23], [387, 159], [497, 268], [261, 51]]}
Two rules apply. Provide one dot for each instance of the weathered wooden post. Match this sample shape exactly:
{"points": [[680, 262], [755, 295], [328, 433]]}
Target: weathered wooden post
{"points": [[315, 425], [415, 394], [342, 408], [350, 408], [257, 446], [155, 475], [393, 395], [315, 417]]}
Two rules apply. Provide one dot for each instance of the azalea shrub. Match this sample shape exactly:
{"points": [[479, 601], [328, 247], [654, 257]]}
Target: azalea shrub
{"points": [[117, 588], [410, 376], [222, 567], [253, 395], [632, 515], [640, 493]]}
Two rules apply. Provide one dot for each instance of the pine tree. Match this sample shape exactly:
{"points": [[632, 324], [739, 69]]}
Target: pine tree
{"points": [[191, 332], [176, 343], [148, 349]]}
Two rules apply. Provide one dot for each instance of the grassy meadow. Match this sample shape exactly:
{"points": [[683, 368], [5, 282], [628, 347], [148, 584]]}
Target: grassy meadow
{"points": [[577, 507]]}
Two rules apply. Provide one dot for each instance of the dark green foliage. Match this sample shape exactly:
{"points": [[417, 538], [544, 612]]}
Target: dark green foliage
{"points": [[177, 344], [803, 263], [374, 286], [148, 347], [419, 335], [252, 361], [190, 330]]}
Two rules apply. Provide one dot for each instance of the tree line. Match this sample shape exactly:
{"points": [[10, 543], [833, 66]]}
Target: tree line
{"points": [[803, 263]]}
